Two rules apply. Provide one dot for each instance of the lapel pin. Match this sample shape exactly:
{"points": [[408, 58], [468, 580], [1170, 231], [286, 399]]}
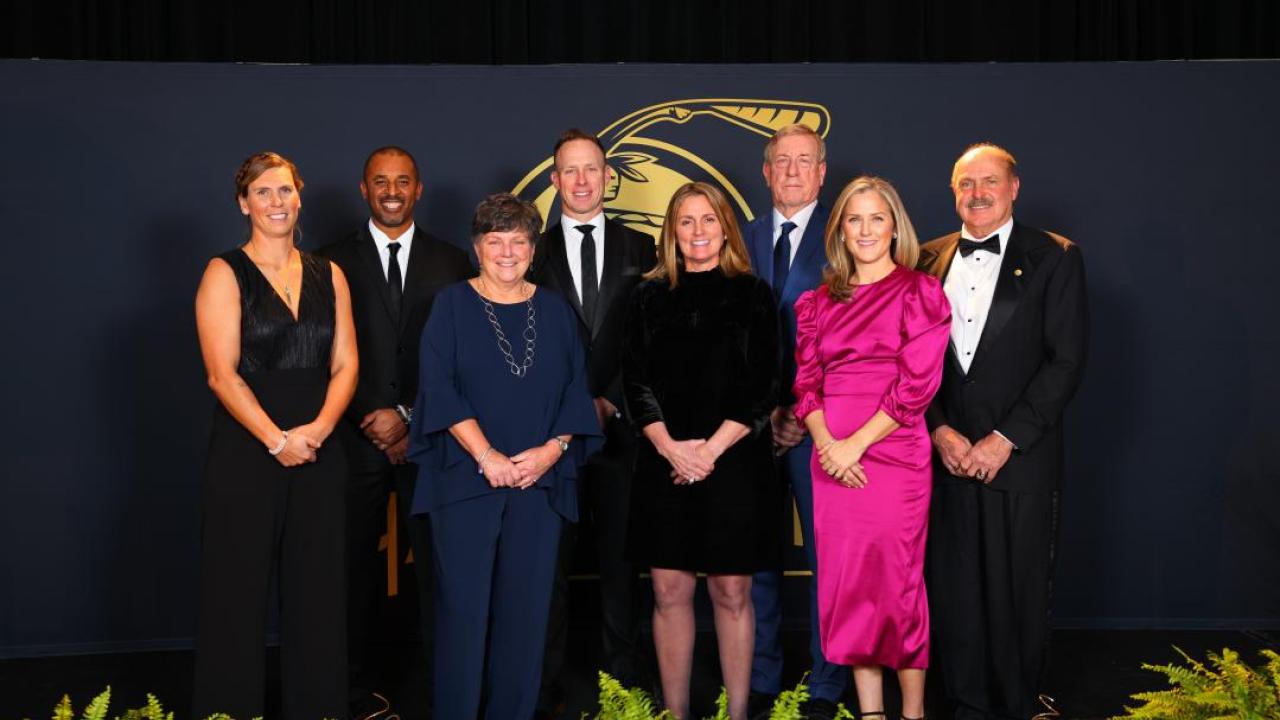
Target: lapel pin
{"points": [[1017, 272]]}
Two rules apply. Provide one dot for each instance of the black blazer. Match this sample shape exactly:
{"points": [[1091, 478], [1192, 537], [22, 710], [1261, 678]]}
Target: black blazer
{"points": [[1029, 360], [628, 254], [388, 345]]}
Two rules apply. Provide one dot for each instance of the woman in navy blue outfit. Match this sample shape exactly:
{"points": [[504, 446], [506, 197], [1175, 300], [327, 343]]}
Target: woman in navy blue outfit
{"points": [[503, 421]]}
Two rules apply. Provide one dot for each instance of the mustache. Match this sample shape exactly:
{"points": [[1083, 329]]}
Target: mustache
{"points": [[979, 203], [390, 197]]}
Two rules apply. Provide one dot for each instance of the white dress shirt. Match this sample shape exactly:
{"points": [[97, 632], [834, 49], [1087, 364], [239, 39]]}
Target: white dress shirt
{"points": [[381, 240], [970, 285], [573, 247], [801, 219]]}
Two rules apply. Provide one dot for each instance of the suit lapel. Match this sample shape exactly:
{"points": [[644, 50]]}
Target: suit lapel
{"points": [[558, 265], [938, 265], [368, 252], [1009, 285], [414, 278], [611, 276], [811, 248], [762, 247]]}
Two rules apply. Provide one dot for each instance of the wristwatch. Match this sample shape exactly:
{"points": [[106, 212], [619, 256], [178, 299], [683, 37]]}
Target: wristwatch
{"points": [[564, 446], [405, 413]]}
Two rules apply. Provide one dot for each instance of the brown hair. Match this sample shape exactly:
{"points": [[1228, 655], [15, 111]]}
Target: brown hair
{"points": [[1011, 164], [733, 252], [904, 248], [504, 212], [254, 165], [569, 136], [795, 129]]}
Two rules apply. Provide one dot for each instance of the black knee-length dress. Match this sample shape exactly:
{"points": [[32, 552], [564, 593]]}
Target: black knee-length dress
{"points": [[695, 356]]}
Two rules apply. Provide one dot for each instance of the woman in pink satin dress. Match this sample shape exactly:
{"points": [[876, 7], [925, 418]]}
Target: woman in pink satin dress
{"points": [[869, 348]]}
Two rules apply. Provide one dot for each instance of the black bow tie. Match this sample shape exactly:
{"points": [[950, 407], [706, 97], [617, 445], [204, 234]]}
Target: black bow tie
{"points": [[991, 245]]}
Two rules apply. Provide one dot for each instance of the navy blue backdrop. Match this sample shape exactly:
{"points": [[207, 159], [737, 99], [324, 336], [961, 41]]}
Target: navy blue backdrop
{"points": [[115, 189]]}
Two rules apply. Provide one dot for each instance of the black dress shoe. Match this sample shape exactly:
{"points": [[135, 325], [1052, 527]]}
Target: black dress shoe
{"points": [[374, 706], [760, 705], [819, 709]]}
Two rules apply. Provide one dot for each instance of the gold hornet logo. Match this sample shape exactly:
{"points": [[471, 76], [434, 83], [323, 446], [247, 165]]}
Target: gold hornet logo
{"points": [[645, 150]]}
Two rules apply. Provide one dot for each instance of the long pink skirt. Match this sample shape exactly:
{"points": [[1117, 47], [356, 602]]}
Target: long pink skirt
{"points": [[872, 605]]}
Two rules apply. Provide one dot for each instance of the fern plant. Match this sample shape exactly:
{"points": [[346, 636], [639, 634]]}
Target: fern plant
{"points": [[1227, 688], [99, 706], [621, 703]]}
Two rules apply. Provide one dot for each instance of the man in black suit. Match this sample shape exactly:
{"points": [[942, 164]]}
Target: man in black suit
{"points": [[595, 263], [1019, 336], [394, 270]]}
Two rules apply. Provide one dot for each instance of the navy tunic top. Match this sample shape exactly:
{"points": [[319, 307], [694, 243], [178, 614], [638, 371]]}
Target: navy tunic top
{"points": [[463, 374]]}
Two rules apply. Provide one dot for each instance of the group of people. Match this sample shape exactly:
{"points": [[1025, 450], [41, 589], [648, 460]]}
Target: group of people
{"points": [[908, 397]]}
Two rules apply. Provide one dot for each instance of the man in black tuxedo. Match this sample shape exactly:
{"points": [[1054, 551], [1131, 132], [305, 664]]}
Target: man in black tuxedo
{"points": [[1019, 336], [595, 263], [394, 270]]}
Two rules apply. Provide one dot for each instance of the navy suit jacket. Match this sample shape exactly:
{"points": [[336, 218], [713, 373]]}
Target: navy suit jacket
{"points": [[805, 274]]}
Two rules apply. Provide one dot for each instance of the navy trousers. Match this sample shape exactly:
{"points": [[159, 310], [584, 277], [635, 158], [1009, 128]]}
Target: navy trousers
{"points": [[826, 681], [494, 558]]}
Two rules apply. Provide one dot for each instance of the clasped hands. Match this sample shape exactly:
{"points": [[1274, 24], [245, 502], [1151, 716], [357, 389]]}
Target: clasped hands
{"points": [[981, 461], [301, 445], [387, 431], [691, 460], [520, 471], [840, 459]]}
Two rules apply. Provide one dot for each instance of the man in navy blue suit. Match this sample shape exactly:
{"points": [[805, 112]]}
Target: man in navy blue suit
{"points": [[786, 247]]}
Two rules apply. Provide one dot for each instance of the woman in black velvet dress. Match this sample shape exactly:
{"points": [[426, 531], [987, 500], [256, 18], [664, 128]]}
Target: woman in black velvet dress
{"points": [[701, 373]]}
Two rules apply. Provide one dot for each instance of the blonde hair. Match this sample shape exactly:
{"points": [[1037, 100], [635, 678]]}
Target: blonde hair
{"points": [[904, 248], [733, 251], [795, 129]]}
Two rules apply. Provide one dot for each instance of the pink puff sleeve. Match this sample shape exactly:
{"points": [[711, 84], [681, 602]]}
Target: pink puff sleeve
{"points": [[809, 371], [926, 330]]}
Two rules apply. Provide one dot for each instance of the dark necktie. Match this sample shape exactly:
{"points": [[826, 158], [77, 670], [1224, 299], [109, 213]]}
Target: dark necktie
{"points": [[590, 284], [394, 283], [782, 258], [991, 245]]}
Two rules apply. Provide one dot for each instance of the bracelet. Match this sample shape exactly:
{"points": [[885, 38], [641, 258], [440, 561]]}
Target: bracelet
{"points": [[480, 460], [284, 438], [406, 414]]}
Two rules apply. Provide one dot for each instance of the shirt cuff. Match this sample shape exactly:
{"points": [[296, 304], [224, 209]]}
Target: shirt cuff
{"points": [[1006, 439]]}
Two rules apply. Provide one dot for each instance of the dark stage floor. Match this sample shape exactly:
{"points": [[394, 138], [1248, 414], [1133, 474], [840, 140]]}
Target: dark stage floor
{"points": [[1093, 672]]}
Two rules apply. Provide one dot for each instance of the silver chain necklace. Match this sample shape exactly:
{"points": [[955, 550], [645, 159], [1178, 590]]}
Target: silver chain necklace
{"points": [[530, 335]]}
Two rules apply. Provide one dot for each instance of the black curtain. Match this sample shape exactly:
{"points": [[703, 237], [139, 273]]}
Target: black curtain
{"points": [[607, 31]]}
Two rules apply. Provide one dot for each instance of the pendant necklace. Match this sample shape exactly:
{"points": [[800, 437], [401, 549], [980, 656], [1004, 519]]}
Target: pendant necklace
{"points": [[530, 334], [280, 280]]}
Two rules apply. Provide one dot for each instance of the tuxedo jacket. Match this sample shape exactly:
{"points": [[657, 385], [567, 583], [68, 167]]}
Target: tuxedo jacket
{"points": [[388, 345], [1029, 359], [805, 274], [628, 254]]}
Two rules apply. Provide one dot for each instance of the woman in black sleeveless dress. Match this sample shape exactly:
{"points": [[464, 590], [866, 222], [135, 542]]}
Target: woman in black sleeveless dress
{"points": [[278, 343]]}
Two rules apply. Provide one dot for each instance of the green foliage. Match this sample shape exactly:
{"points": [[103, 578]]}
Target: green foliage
{"points": [[1228, 690], [620, 703], [63, 710], [97, 708]]}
